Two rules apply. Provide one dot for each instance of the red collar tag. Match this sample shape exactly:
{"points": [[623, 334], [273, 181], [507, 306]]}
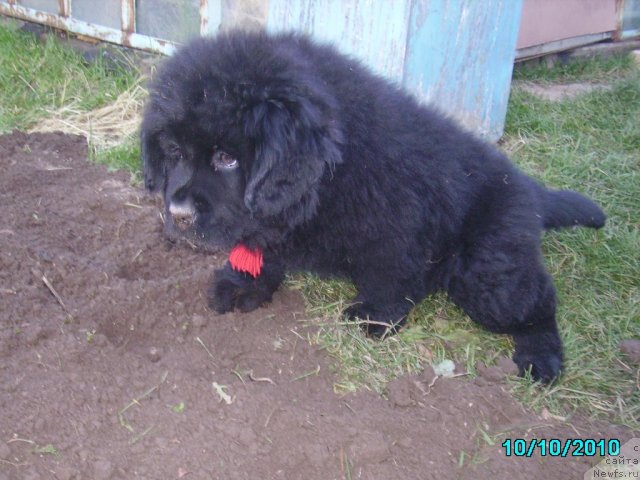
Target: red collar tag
{"points": [[244, 259]]}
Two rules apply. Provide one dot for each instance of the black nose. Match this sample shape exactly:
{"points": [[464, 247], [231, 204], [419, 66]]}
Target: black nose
{"points": [[182, 221], [182, 216]]}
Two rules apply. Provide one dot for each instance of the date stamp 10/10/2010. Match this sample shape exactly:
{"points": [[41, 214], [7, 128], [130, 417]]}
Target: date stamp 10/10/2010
{"points": [[618, 461], [570, 447]]}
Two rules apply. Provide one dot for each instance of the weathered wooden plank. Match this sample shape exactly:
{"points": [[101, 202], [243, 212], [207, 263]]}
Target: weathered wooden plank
{"points": [[460, 57], [373, 31]]}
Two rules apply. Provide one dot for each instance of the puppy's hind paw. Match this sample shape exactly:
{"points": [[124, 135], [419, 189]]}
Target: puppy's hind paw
{"points": [[368, 317], [544, 366], [540, 353]]}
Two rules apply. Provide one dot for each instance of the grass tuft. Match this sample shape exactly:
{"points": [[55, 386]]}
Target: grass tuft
{"points": [[589, 69], [45, 76], [54, 89]]}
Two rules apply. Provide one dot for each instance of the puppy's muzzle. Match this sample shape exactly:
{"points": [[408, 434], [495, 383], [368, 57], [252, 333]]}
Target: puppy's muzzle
{"points": [[182, 214]]}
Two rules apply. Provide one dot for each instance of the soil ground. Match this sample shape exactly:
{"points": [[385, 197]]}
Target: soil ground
{"points": [[112, 367], [559, 92]]}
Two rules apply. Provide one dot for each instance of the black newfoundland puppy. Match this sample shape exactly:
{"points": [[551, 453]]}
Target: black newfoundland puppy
{"points": [[299, 158]]}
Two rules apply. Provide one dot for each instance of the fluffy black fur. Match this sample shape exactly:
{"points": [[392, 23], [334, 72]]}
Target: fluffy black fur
{"points": [[288, 146]]}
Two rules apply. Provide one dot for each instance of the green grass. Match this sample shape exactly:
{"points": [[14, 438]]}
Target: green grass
{"points": [[38, 77], [594, 70], [590, 143], [125, 156]]}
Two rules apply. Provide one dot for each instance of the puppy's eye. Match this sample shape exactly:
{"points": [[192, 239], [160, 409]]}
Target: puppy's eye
{"points": [[175, 152], [223, 161]]}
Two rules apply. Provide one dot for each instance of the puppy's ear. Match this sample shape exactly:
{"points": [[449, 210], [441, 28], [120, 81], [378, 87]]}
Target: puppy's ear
{"points": [[153, 166], [296, 141]]}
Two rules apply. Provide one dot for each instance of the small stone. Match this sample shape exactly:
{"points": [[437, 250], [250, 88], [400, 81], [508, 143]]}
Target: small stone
{"points": [[45, 256], [31, 474], [405, 443], [154, 354], [198, 321], [102, 470], [65, 473], [100, 339], [34, 335], [399, 392], [40, 424], [138, 448], [631, 348], [371, 447], [507, 365], [490, 374], [481, 382], [162, 443], [428, 375], [83, 454], [5, 451]]}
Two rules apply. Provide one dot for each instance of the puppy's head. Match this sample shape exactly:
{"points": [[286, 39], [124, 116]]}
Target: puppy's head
{"points": [[237, 135]]}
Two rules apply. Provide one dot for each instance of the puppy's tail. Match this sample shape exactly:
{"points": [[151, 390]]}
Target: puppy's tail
{"points": [[566, 208]]}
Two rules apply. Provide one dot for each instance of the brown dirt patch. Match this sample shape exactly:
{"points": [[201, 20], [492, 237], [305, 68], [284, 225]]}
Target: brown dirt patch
{"points": [[559, 92], [114, 379]]}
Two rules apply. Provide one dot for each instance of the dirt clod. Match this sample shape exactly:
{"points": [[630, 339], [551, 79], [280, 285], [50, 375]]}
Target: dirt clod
{"points": [[5, 451], [154, 354], [631, 348], [102, 470]]}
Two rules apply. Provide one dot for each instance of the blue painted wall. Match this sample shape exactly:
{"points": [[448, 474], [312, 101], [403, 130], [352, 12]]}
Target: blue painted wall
{"points": [[457, 54], [460, 56], [373, 30]]}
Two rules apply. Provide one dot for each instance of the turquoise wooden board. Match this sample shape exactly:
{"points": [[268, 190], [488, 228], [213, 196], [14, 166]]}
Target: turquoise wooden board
{"points": [[460, 57], [457, 54], [374, 31]]}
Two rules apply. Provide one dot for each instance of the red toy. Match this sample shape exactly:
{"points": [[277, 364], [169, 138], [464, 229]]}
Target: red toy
{"points": [[244, 259]]}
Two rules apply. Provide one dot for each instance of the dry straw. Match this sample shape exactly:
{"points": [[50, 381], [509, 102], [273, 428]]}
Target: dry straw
{"points": [[105, 127]]}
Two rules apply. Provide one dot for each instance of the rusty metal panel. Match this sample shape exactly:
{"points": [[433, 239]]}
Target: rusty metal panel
{"points": [[128, 16], [49, 6], [545, 21], [64, 7], [173, 20], [73, 25], [210, 16], [105, 12]]}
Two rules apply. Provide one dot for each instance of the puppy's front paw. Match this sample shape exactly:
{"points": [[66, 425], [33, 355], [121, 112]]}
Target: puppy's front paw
{"points": [[230, 290], [374, 320], [222, 295]]}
